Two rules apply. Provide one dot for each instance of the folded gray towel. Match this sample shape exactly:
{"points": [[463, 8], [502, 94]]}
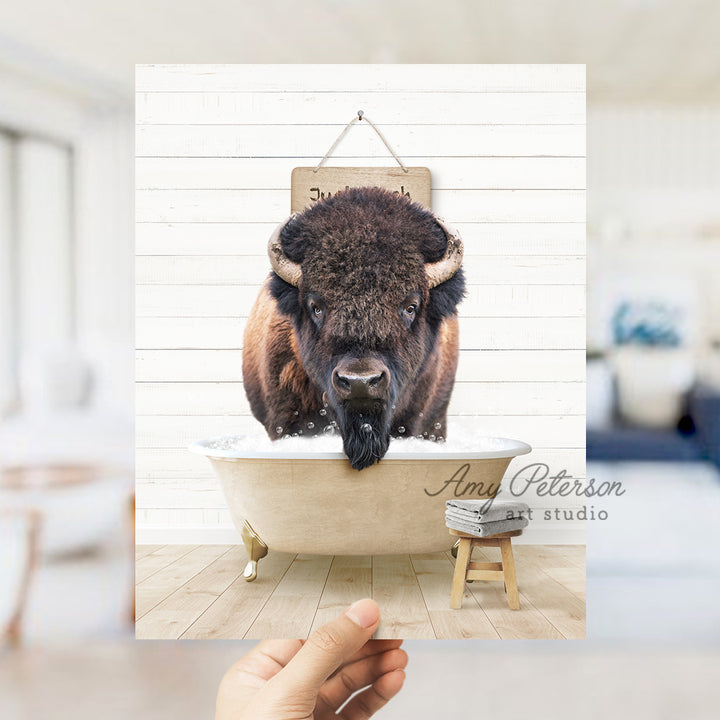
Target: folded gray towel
{"points": [[488, 528], [486, 510], [451, 514]]}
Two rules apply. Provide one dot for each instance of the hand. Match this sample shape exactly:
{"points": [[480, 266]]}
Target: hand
{"points": [[296, 680]]}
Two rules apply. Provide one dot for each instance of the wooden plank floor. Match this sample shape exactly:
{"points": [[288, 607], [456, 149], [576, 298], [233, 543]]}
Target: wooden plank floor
{"points": [[185, 591]]}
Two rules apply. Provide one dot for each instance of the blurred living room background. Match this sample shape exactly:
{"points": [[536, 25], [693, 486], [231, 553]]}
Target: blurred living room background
{"points": [[653, 363], [66, 317]]}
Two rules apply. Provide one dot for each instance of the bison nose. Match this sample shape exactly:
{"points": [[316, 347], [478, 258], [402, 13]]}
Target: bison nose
{"points": [[357, 380]]}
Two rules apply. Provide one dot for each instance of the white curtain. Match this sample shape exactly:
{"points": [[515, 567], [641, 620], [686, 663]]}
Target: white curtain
{"points": [[45, 255], [37, 266], [8, 340]]}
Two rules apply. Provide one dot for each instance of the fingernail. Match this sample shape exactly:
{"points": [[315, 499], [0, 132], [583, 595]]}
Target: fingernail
{"points": [[364, 613]]}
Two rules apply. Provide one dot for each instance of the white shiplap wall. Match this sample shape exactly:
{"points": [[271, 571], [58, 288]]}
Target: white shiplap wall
{"points": [[215, 148]]}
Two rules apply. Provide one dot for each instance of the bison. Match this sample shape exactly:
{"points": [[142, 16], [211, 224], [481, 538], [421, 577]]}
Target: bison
{"points": [[355, 331]]}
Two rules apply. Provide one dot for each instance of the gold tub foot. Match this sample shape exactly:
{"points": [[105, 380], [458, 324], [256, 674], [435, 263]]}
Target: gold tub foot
{"points": [[256, 549]]}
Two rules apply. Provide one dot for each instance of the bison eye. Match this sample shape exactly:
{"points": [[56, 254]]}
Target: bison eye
{"points": [[409, 309], [316, 310]]}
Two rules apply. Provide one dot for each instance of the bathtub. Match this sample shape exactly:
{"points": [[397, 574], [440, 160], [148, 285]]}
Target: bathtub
{"points": [[314, 502]]}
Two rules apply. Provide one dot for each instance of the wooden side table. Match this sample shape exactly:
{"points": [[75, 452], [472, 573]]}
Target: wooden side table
{"points": [[466, 570]]}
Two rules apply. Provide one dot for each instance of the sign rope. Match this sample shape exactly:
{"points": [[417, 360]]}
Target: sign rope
{"points": [[360, 116]]}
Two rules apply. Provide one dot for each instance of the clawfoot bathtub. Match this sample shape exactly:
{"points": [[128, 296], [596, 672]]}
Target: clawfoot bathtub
{"points": [[315, 503]]}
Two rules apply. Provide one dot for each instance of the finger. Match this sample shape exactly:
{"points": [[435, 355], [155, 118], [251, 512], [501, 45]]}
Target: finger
{"points": [[264, 661], [280, 651], [355, 676], [369, 701], [327, 649], [245, 677], [375, 647]]}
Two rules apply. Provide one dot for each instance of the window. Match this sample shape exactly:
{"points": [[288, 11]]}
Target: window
{"points": [[37, 265]]}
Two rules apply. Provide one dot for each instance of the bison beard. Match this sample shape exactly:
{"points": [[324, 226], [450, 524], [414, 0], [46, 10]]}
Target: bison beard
{"points": [[366, 436]]}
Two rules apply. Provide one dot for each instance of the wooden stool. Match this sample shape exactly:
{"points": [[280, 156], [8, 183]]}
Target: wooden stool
{"points": [[466, 570]]}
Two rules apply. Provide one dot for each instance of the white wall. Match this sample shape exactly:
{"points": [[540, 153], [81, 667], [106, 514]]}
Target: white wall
{"points": [[105, 240], [215, 148], [654, 215]]}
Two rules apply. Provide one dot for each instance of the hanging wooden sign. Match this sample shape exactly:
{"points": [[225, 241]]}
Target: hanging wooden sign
{"points": [[309, 185]]}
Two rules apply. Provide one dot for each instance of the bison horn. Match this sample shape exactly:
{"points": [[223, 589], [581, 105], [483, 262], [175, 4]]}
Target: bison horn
{"points": [[442, 270], [436, 272], [289, 271]]}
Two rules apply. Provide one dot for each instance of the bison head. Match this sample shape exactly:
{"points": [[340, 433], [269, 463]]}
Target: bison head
{"points": [[368, 278]]}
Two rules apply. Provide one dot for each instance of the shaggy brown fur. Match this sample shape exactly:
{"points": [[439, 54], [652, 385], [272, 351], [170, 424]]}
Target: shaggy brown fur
{"points": [[363, 253]]}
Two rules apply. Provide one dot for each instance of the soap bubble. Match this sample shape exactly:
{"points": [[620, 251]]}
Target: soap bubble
{"points": [[460, 439], [366, 428], [432, 438], [278, 430], [437, 426], [311, 425], [418, 437], [295, 412], [421, 414], [323, 412], [401, 429]]}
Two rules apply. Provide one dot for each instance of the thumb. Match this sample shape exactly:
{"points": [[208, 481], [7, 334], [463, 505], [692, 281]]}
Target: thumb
{"points": [[328, 648]]}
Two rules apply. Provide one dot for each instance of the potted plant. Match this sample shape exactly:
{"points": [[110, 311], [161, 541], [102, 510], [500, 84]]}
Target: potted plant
{"points": [[654, 367]]}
